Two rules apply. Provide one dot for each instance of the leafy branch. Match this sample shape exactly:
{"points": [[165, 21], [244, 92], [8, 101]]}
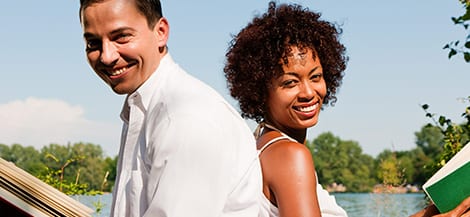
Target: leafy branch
{"points": [[55, 178], [455, 135], [456, 47]]}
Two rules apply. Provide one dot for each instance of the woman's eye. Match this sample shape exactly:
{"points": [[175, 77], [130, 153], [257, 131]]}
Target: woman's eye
{"points": [[316, 77], [289, 83]]}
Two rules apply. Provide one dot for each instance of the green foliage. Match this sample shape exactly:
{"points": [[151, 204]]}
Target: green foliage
{"points": [[74, 169], [430, 140], [98, 206], [390, 171], [455, 136], [77, 169], [89, 163], [342, 162], [24, 157], [110, 168], [455, 47], [422, 164], [55, 178]]}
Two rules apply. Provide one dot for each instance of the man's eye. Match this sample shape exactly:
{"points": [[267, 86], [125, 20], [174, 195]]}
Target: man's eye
{"points": [[92, 45], [123, 38]]}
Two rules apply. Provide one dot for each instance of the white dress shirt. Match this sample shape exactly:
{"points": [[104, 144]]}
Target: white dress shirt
{"points": [[185, 152]]}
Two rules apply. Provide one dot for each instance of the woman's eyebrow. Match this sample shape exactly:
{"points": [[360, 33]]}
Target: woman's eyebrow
{"points": [[297, 74]]}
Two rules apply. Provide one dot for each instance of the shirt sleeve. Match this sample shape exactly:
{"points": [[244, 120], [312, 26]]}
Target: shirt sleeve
{"points": [[210, 170]]}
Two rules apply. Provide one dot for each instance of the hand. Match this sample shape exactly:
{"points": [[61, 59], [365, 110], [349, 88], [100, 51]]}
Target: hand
{"points": [[429, 211], [462, 210]]}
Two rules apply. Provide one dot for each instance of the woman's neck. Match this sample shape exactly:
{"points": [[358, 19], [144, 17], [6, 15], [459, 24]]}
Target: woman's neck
{"points": [[298, 134]]}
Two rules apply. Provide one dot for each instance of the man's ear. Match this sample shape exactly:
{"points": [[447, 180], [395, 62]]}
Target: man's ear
{"points": [[162, 31]]}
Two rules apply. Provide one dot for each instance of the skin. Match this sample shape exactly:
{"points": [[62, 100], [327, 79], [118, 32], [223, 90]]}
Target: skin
{"points": [[289, 179], [301, 87], [122, 50], [462, 210]]}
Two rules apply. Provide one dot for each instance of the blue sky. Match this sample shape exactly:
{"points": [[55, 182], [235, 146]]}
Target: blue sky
{"points": [[50, 94]]}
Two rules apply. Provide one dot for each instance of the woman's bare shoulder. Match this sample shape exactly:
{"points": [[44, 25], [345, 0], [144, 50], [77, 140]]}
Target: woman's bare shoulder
{"points": [[287, 158]]}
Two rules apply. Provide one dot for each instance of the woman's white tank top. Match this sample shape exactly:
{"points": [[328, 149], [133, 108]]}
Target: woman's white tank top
{"points": [[327, 202]]}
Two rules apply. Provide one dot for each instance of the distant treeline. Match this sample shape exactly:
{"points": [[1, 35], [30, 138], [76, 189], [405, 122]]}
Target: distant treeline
{"points": [[66, 167], [336, 161]]}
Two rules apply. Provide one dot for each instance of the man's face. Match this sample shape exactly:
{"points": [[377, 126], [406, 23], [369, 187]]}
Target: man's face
{"points": [[120, 46]]}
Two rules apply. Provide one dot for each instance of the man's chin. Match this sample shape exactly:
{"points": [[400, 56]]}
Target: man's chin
{"points": [[121, 90]]}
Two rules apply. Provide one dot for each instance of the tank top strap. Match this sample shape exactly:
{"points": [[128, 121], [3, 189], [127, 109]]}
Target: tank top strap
{"points": [[273, 140], [282, 133]]}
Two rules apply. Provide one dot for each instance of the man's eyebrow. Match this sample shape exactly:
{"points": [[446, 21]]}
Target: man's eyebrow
{"points": [[118, 30], [88, 35], [122, 29]]}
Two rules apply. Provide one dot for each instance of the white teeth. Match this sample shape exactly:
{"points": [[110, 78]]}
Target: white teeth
{"points": [[308, 109], [118, 71]]}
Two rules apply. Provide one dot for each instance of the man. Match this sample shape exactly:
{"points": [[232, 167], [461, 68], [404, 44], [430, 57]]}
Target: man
{"points": [[184, 150]]}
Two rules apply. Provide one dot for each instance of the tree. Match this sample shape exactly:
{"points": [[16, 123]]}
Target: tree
{"points": [[430, 140], [422, 165], [455, 136], [341, 162], [55, 156], [92, 166], [74, 169], [456, 47], [110, 167], [26, 158], [84, 163], [390, 171]]}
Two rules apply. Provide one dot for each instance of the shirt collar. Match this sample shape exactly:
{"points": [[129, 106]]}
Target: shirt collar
{"points": [[142, 96]]}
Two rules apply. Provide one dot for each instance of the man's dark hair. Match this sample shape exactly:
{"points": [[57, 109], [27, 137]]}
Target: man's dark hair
{"points": [[151, 9]]}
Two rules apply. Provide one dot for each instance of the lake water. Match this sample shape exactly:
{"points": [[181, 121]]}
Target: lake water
{"points": [[380, 205], [355, 204]]}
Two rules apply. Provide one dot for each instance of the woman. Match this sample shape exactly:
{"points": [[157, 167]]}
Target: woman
{"points": [[282, 67]]}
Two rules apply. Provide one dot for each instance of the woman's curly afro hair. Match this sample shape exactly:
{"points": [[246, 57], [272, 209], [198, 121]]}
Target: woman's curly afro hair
{"points": [[253, 58]]}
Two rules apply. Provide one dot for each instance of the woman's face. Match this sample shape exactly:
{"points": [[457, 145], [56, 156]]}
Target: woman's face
{"points": [[295, 98]]}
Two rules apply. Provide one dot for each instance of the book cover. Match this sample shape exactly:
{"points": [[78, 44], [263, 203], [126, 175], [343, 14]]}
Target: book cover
{"points": [[450, 185]]}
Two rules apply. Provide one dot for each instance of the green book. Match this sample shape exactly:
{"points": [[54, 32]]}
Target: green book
{"points": [[450, 185]]}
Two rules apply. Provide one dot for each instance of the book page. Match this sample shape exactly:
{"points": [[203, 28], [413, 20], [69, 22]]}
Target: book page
{"points": [[38, 194]]}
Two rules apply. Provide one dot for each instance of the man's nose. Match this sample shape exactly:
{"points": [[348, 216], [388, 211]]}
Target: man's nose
{"points": [[109, 53]]}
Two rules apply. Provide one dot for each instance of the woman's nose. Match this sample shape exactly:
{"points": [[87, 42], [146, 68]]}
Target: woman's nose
{"points": [[306, 91]]}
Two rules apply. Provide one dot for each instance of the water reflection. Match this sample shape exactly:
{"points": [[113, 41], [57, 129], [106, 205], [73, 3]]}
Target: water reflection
{"points": [[380, 205]]}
